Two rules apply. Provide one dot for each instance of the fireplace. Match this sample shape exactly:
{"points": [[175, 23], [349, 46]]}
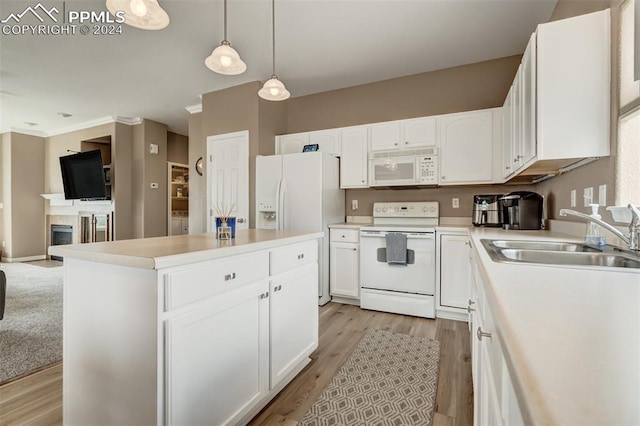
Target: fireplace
{"points": [[61, 234]]}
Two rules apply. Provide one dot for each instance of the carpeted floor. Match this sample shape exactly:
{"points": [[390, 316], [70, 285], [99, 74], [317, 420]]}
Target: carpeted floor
{"points": [[31, 331], [389, 379]]}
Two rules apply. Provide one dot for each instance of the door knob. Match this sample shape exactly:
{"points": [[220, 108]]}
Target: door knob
{"points": [[240, 220]]}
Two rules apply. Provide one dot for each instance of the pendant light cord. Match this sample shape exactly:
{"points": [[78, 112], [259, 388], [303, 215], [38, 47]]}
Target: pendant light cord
{"points": [[273, 34], [225, 19]]}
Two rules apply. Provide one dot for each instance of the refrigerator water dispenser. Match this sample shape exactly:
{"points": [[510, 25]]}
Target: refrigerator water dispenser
{"points": [[266, 214]]}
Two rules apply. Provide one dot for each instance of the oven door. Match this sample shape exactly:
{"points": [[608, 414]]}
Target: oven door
{"points": [[393, 171], [417, 276]]}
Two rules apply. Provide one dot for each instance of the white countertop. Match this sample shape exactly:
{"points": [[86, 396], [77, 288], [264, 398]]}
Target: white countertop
{"points": [[164, 252], [571, 336]]}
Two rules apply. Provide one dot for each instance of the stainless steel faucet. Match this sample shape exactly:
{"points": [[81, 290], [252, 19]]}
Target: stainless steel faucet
{"points": [[633, 240]]}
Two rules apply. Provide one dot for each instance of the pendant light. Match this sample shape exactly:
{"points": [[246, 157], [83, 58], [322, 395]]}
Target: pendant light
{"points": [[224, 59], [273, 89], [143, 14]]}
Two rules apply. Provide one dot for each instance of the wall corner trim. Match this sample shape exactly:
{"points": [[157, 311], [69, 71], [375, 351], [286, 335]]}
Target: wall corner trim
{"points": [[194, 109]]}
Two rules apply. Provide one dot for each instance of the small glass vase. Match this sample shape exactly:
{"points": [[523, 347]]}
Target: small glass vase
{"points": [[225, 228]]}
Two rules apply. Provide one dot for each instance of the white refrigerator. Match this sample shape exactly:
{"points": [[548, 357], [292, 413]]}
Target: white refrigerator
{"points": [[301, 192]]}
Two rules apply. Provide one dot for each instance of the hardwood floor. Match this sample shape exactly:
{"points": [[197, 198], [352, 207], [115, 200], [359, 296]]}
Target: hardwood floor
{"points": [[37, 399]]}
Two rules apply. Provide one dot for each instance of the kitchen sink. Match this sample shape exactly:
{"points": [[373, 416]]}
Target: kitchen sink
{"points": [[560, 253], [542, 245]]}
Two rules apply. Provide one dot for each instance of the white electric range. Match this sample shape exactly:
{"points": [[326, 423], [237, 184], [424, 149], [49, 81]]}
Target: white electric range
{"points": [[400, 288]]}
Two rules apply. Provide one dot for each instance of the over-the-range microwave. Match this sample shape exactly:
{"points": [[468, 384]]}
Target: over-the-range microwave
{"points": [[416, 167]]}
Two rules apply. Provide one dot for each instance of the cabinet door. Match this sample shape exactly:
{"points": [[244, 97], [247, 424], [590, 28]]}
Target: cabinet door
{"points": [[419, 132], [291, 144], [454, 279], [208, 382], [385, 136], [516, 122], [185, 226], [328, 141], [353, 158], [176, 226], [344, 261], [294, 320], [528, 102], [466, 148], [507, 135]]}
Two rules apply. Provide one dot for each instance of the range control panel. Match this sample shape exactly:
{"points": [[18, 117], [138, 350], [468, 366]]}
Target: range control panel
{"points": [[417, 209]]}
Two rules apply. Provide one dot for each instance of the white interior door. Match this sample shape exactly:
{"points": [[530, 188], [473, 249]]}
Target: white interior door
{"points": [[228, 177]]}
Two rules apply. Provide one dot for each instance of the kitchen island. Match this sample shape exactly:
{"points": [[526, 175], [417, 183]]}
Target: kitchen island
{"points": [[186, 329]]}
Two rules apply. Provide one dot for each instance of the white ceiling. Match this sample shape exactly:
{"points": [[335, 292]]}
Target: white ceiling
{"points": [[320, 45]]}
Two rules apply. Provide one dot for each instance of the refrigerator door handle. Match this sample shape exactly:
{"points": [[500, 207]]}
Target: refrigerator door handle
{"points": [[281, 207]]}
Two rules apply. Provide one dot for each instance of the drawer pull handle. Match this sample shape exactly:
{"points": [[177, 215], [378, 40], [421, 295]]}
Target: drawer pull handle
{"points": [[301, 256], [482, 334], [264, 295], [277, 288], [472, 302], [229, 277], [470, 309]]}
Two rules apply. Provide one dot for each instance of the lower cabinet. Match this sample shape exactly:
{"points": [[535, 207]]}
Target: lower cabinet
{"points": [[294, 320], [453, 274], [344, 264], [495, 402], [217, 358]]}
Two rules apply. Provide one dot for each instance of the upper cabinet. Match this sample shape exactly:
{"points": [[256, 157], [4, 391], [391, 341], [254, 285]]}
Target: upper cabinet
{"points": [[353, 157], [466, 147], [327, 141], [558, 109], [402, 134], [291, 144]]}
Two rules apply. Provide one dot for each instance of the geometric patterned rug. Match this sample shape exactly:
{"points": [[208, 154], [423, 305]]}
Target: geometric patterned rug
{"points": [[389, 379]]}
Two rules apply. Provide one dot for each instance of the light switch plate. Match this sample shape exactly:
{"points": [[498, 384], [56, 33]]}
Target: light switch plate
{"points": [[602, 195], [154, 185], [588, 196], [153, 148], [354, 204]]}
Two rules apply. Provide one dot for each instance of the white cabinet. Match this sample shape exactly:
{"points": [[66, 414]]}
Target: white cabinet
{"points": [[454, 275], [291, 144], [403, 134], [328, 141], [354, 157], [495, 401], [294, 320], [466, 147], [218, 357], [560, 99], [508, 167], [344, 264], [179, 225]]}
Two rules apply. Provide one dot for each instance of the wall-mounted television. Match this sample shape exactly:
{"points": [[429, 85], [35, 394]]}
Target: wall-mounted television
{"points": [[83, 176]]}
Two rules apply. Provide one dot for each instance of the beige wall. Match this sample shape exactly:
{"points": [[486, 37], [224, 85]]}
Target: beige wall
{"points": [[463, 88], [177, 148], [122, 180], [149, 204], [23, 182], [197, 183], [5, 190], [557, 191]]}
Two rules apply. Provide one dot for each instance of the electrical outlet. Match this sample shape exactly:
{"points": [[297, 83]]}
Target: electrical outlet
{"points": [[602, 195], [153, 148], [588, 196], [354, 204], [154, 185], [455, 203], [573, 198]]}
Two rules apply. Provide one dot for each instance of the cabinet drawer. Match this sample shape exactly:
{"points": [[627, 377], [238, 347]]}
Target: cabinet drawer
{"points": [[290, 257], [340, 235], [207, 279]]}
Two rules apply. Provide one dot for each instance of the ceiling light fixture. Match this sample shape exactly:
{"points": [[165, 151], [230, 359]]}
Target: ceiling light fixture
{"points": [[224, 59], [143, 14], [273, 89], [64, 114]]}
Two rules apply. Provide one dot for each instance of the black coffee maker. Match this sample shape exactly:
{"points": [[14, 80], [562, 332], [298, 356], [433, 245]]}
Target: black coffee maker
{"points": [[522, 210]]}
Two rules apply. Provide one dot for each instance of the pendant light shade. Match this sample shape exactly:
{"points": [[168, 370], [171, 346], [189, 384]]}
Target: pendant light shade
{"points": [[225, 59], [143, 14], [273, 89]]}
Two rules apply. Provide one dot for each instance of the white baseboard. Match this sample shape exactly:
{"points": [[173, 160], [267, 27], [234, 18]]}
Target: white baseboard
{"points": [[24, 259], [345, 300], [451, 315]]}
